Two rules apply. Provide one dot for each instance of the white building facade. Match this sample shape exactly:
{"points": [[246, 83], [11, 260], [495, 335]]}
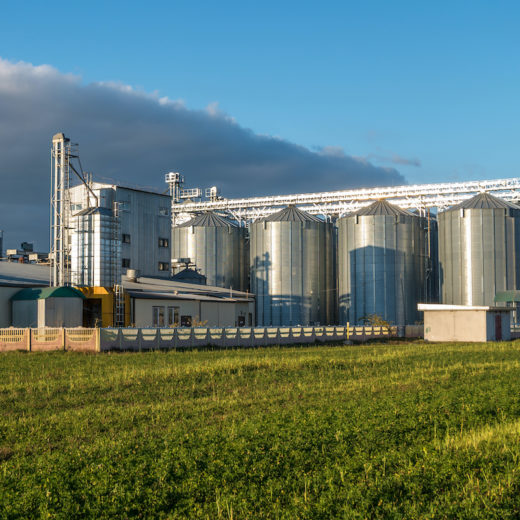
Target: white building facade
{"points": [[116, 228]]}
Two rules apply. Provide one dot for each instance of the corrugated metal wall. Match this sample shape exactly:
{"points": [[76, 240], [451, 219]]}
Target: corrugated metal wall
{"points": [[479, 250], [292, 272], [220, 252], [382, 265]]}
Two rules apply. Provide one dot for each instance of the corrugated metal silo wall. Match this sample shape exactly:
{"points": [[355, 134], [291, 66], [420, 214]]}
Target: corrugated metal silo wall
{"points": [[478, 254], [292, 272], [220, 252], [381, 267], [145, 218]]}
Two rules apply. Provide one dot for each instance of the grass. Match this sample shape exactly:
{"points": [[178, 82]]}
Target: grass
{"points": [[376, 431]]}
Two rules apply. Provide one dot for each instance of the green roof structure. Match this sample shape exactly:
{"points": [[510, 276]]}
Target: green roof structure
{"points": [[507, 296], [47, 292]]}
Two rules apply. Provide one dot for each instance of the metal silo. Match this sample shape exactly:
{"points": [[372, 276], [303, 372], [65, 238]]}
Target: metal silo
{"points": [[382, 264], [479, 242], [292, 261], [218, 248]]}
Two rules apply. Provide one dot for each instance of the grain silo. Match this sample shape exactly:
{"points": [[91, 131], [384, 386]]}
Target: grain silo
{"points": [[382, 264], [218, 248], [292, 261], [479, 255]]}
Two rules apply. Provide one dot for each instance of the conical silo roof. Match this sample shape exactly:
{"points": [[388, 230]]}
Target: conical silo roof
{"points": [[382, 207], [291, 214], [208, 219], [484, 201]]}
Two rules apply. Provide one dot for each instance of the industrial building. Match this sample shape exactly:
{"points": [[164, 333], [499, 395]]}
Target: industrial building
{"points": [[303, 259], [116, 228], [26, 254], [156, 302], [26, 300], [466, 323], [169, 303]]}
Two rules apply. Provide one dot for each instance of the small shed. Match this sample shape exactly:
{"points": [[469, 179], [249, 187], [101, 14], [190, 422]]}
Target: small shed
{"points": [[465, 322], [48, 307], [512, 300]]}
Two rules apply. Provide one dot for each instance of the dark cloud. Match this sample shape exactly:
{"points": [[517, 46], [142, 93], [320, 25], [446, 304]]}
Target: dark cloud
{"points": [[412, 161], [394, 158], [136, 138]]}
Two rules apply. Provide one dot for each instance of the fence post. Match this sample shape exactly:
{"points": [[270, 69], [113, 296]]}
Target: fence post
{"points": [[63, 337]]}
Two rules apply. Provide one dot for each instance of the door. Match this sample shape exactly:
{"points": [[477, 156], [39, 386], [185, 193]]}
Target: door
{"points": [[498, 326]]}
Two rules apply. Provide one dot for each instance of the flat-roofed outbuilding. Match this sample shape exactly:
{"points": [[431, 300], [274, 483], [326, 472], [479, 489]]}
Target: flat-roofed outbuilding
{"points": [[15, 276], [465, 322], [168, 303]]}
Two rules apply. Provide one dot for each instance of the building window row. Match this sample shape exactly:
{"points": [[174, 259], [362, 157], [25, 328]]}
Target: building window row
{"points": [[164, 242], [172, 314]]}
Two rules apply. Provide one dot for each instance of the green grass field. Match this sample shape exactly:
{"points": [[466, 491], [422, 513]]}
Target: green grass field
{"points": [[376, 431]]}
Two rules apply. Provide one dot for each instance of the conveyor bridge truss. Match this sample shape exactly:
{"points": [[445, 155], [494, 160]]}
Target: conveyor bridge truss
{"points": [[333, 204]]}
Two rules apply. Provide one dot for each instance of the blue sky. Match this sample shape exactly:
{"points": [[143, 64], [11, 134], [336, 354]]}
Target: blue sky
{"points": [[429, 83]]}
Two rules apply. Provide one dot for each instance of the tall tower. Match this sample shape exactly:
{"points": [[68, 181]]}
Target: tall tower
{"points": [[60, 210], [175, 181]]}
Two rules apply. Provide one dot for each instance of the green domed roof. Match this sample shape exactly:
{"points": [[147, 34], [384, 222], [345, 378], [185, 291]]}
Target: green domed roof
{"points": [[47, 292]]}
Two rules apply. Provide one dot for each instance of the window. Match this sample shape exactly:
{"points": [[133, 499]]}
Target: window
{"points": [[164, 266], [163, 242], [173, 316], [125, 238], [76, 207], [125, 262], [158, 316], [164, 212], [185, 321]]}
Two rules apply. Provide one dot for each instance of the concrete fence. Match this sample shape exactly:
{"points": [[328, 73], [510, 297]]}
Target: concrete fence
{"points": [[151, 339], [123, 339], [34, 340]]}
